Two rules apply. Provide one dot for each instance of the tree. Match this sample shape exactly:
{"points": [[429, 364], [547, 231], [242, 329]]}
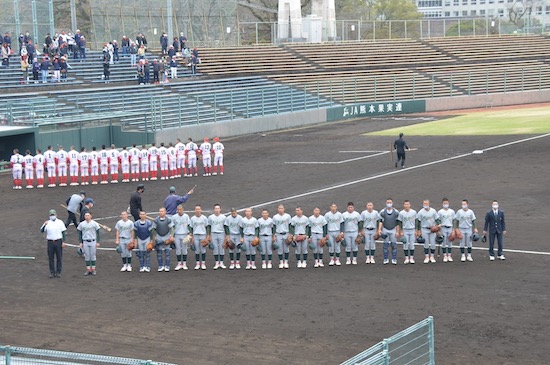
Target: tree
{"points": [[396, 10]]}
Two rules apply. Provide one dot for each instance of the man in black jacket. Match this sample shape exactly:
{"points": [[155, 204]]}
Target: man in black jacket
{"points": [[135, 202]]}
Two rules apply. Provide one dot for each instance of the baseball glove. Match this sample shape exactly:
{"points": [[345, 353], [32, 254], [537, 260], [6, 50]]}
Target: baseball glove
{"points": [[131, 246], [323, 242], [340, 237], [150, 246], [300, 237], [434, 229], [169, 241], [289, 239], [188, 239], [230, 244], [359, 239], [255, 242], [458, 234], [376, 236], [452, 237], [205, 242]]}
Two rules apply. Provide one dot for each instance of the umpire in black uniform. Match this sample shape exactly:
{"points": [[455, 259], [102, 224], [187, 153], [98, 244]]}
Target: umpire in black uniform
{"points": [[135, 202], [400, 146]]}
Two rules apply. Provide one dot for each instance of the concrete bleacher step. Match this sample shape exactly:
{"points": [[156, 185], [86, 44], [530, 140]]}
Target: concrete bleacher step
{"points": [[440, 50]]}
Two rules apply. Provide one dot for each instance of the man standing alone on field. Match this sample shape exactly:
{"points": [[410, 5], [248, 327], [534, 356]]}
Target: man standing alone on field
{"points": [[135, 202], [399, 146]]}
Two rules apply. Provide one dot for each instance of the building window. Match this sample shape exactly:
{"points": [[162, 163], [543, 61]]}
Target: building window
{"points": [[491, 1], [464, 12], [447, 2], [539, 10], [481, 2], [547, 10], [473, 2], [491, 12], [455, 14], [464, 2], [482, 12], [429, 3], [473, 13], [447, 14]]}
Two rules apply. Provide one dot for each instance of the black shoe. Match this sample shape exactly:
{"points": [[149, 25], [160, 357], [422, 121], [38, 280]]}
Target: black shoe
{"points": [[396, 164], [52, 275]]}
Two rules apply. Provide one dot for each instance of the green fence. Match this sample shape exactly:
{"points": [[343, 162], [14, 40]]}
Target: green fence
{"points": [[413, 346], [11, 355]]}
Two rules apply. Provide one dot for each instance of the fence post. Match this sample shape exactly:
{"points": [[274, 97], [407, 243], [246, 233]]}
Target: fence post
{"points": [[451, 85], [414, 86], [505, 81], [355, 90], [215, 109], [305, 97], [394, 87], [263, 103], [374, 88], [197, 107], [318, 96], [330, 92], [469, 82], [8, 355], [179, 108], [277, 99], [433, 81], [540, 76], [385, 351], [343, 92], [487, 82], [431, 337]]}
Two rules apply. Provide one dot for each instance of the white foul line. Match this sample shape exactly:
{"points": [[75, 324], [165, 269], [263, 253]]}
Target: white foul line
{"points": [[337, 162], [360, 151]]}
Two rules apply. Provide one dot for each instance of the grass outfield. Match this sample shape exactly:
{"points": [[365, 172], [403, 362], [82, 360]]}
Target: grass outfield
{"points": [[510, 121]]}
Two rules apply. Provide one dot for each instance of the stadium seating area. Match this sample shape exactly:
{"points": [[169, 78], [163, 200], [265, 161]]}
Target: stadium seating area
{"points": [[252, 81]]}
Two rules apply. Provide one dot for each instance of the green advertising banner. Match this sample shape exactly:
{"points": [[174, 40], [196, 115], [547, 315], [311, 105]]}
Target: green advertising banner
{"points": [[375, 109]]}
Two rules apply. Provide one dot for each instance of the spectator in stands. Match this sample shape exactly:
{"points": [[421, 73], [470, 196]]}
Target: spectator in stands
{"points": [[194, 62], [6, 53], [63, 37], [173, 68], [171, 52], [7, 39], [141, 40], [44, 67], [106, 64], [111, 50], [35, 70], [82, 47], [23, 51], [164, 43], [141, 52], [156, 71], [141, 72], [163, 70], [56, 70], [195, 52], [21, 40], [63, 49], [47, 44], [27, 37], [70, 44], [77, 37], [182, 41], [147, 72], [64, 68], [125, 43], [115, 51], [25, 69], [31, 51], [133, 54], [176, 44], [186, 54]]}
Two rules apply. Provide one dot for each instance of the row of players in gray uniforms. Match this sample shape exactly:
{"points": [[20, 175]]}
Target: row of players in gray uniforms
{"points": [[336, 230]]}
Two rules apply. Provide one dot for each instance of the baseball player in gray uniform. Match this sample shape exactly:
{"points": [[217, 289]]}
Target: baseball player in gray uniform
{"points": [[267, 237], [406, 221], [298, 226], [465, 223], [281, 220], [233, 233], [216, 230], [88, 232], [389, 230], [446, 217], [250, 231], [427, 225], [162, 235], [124, 235], [198, 229], [352, 226], [181, 231], [370, 218], [335, 229], [317, 231]]}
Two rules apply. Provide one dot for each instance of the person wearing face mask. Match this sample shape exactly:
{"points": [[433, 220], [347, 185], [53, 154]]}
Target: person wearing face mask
{"points": [[495, 225], [465, 226], [388, 229], [427, 225], [55, 235], [406, 221], [446, 216]]}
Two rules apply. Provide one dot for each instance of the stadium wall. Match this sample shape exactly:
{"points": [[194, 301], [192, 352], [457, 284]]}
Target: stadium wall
{"points": [[487, 100]]}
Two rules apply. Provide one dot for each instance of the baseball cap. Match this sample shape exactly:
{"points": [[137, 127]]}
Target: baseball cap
{"points": [[82, 192], [172, 189], [141, 186], [52, 212], [216, 139], [89, 200]]}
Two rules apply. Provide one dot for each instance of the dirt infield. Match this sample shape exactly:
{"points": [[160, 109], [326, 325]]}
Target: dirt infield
{"points": [[485, 312]]}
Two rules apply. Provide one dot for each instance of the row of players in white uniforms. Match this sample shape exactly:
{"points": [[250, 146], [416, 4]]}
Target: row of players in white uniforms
{"points": [[134, 163]]}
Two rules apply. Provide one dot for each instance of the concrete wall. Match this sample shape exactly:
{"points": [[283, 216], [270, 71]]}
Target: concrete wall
{"points": [[487, 101], [243, 126]]}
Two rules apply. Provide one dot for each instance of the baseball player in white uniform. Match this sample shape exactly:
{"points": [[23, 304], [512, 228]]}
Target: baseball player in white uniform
{"points": [[267, 237], [205, 150], [181, 231], [153, 161], [134, 163], [172, 160], [94, 165], [298, 226], [28, 165], [144, 161], [51, 166], [446, 216], [163, 160], [370, 218], [198, 230], [180, 162], [281, 220], [39, 162], [123, 236], [216, 230], [233, 233], [84, 163], [335, 229], [73, 156], [250, 231], [16, 164], [114, 160], [465, 223], [407, 222], [191, 153], [62, 156], [353, 226], [218, 148], [124, 157], [427, 224], [317, 231], [104, 164]]}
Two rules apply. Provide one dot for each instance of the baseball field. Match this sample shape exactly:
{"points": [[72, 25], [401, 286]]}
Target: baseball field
{"points": [[485, 312]]}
